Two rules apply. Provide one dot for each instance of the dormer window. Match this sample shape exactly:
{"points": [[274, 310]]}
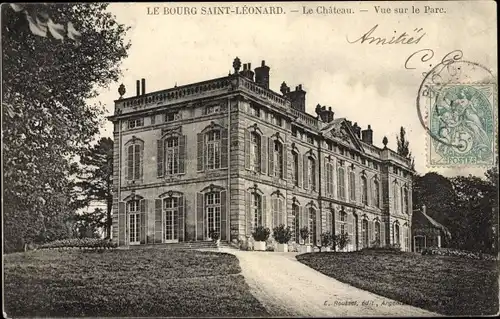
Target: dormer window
{"points": [[135, 123]]}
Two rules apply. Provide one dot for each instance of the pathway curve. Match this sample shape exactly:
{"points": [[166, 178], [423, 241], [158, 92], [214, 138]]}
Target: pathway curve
{"points": [[286, 287]]}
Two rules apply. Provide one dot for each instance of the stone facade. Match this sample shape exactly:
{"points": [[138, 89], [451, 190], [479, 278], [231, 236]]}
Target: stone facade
{"points": [[229, 154]]}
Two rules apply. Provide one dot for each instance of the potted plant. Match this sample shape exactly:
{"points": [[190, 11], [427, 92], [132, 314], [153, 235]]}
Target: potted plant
{"points": [[304, 234], [342, 240], [326, 240], [215, 236], [282, 235], [260, 235]]}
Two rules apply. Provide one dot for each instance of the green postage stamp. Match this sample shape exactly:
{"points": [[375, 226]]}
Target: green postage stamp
{"points": [[462, 125]]}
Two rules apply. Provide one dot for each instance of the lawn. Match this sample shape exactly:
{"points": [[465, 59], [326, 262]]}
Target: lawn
{"points": [[149, 282], [446, 285]]}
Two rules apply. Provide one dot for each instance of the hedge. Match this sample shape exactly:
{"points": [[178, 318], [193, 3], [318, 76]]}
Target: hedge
{"points": [[94, 243], [456, 253]]}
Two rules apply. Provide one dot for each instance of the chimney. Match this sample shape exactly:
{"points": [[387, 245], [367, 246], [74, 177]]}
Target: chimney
{"points": [[330, 114], [143, 86], [324, 114], [367, 135], [262, 75], [356, 129], [298, 98], [138, 86], [247, 71]]}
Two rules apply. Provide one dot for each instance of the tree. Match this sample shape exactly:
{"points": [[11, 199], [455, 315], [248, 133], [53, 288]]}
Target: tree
{"points": [[47, 120], [96, 178], [87, 224], [404, 146]]}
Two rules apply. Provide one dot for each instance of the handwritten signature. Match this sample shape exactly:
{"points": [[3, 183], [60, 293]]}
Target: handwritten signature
{"points": [[403, 38], [426, 55]]}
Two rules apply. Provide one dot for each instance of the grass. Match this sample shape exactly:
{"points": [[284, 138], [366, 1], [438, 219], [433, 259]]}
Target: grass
{"points": [[442, 284], [123, 283]]}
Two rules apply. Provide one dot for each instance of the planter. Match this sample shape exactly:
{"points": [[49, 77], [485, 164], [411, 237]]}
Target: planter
{"points": [[217, 242], [259, 245], [282, 248], [305, 249]]}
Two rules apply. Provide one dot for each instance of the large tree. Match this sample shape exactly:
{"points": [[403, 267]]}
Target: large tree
{"points": [[96, 178], [55, 58], [404, 146]]}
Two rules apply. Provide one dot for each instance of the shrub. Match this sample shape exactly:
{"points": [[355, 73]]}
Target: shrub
{"points": [[456, 253], [213, 234], [342, 240], [93, 243], [304, 233], [282, 234], [326, 239], [261, 233]]}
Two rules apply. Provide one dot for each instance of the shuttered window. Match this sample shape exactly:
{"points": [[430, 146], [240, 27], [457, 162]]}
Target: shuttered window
{"points": [[134, 162], [295, 169], [352, 186], [364, 190], [377, 233], [341, 183], [376, 193]]}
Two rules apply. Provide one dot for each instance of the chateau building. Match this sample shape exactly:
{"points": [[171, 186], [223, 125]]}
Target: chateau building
{"points": [[229, 154]]}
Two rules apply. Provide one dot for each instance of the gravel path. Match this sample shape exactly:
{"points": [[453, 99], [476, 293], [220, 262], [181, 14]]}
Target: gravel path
{"points": [[286, 287]]}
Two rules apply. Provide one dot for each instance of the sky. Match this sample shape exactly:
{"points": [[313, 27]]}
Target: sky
{"points": [[363, 82]]}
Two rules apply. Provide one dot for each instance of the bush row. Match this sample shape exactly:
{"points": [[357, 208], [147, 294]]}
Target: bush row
{"points": [[96, 243], [456, 253]]}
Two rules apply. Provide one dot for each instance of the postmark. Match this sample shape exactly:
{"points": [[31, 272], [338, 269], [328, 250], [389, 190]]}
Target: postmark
{"points": [[456, 105]]}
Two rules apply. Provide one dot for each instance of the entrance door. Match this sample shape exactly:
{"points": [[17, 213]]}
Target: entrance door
{"points": [[134, 224], [213, 221]]}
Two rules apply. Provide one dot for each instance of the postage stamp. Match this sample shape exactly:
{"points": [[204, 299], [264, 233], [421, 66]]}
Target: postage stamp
{"points": [[462, 127]]}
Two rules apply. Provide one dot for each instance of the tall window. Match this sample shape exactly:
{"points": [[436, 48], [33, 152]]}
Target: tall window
{"points": [[213, 212], [376, 193], [329, 178], [213, 146], [341, 183], [311, 170], [278, 211], [295, 171], [171, 213], [364, 189], [406, 208], [255, 155], [296, 223], [134, 161], [278, 159], [172, 156], [396, 197], [329, 221], [352, 186], [343, 222], [312, 226], [364, 232], [134, 221], [396, 234], [256, 208], [406, 232], [377, 233]]}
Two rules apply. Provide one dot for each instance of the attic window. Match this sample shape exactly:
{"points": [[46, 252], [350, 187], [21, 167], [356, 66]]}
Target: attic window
{"points": [[169, 117], [212, 109]]}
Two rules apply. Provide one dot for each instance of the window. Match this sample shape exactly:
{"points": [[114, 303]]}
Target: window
{"points": [[296, 223], [396, 235], [406, 208], [329, 178], [352, 186], [294, 132], [254, 110], [377, 233], [134, 221], [295, 171], [255, 154], [330, 146], [341, 150], [213, 213], [135, 123], [256, 208], [396, 197], [172, 156], [364, 189], [343, 222], [329, 225], [169, 117], [310, 139], [364, 232], [376, 193], [213, 145], [278, 159], [353, 156], [406, 241], [171, 215], [134, 162], [312, 226], [394, 169], [341, 183], [363, 161], [311, 171], [153, 119], [278, 211], [375, 166], [212, 109]]}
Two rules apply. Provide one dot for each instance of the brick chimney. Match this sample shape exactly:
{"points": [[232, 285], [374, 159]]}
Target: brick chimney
{"points": [[143, 86], [138, 87], [324, 114], [298, 98], [247, 71], [262, 75], [367, 135]]}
